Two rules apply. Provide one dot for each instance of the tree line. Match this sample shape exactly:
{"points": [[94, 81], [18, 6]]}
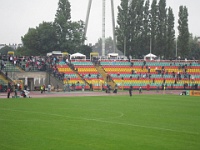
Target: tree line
{"points": [[62, 34], [144, 27]]}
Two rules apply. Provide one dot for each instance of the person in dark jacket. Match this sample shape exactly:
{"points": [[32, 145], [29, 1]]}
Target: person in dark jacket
{"points": [[8, 93], [130, 90]]}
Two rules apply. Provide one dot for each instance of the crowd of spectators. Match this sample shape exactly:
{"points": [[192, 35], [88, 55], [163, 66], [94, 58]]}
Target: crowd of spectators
{"points": [[28, 63], [39, 63]]}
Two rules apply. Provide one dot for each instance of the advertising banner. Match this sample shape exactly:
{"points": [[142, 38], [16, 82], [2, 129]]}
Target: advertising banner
{"points": [[194, 93]]}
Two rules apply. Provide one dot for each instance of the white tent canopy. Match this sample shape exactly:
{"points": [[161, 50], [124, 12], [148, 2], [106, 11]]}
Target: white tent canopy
{"points": [[78, 56], [150, 56], [113, 55]]}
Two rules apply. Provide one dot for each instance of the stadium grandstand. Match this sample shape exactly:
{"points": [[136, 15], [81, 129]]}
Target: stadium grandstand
{"points": [[100, 73]]}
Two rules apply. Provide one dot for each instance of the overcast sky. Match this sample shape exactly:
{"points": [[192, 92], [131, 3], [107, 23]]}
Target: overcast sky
{"points": [[17, 16]]}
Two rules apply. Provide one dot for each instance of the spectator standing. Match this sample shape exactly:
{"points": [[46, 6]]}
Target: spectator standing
{"points": [[130, 90], [140, 89], [57, 87], [1, 88], [15, 93], [44, 87], [49, 88], [8, 93], [41, 89], [65, 87], [6, 75], [68, 87]]}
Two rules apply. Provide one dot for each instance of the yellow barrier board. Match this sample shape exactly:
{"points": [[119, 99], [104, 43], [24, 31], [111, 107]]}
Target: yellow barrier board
{"points": [[194, 93]]}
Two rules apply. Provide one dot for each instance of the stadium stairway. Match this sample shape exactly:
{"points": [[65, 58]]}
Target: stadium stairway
{"points": [[20, 69], [12, 68], [3, 80], [77, 73], [104, 76]]}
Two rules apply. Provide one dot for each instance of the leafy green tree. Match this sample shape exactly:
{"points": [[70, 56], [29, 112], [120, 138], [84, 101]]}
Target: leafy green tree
{"points": [[62, 24], [63, 34], [40, 40], [122, 30], [142, 27], [146, 29], [183, 37], [139, 30], [108, 46], [86, 50], [132, 50], [69, 34], [194, 47], [76, 37], [161, 34], [154, 26], [31, 41], [97, 47], [5, 50], [22, 51], [170, 35], [47, 37]]}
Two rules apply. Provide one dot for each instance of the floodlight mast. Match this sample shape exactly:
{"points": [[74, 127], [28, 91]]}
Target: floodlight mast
{"points": [[103, 23], [113, 26], [103, 26], [87, 18]]}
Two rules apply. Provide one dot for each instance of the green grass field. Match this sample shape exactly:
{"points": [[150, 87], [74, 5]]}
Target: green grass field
{"points": [[141, 122]]}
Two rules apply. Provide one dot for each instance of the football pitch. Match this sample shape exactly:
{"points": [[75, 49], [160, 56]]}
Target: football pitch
{"points": [[140, 122]]}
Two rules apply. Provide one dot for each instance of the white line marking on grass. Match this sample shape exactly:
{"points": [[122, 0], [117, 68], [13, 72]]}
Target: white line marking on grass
{"points": [[141, 126], [37, 120], [117, 116], [110, 122]]}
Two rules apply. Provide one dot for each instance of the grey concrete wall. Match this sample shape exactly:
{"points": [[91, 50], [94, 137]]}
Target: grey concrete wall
{"points": [[38, 78]]}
